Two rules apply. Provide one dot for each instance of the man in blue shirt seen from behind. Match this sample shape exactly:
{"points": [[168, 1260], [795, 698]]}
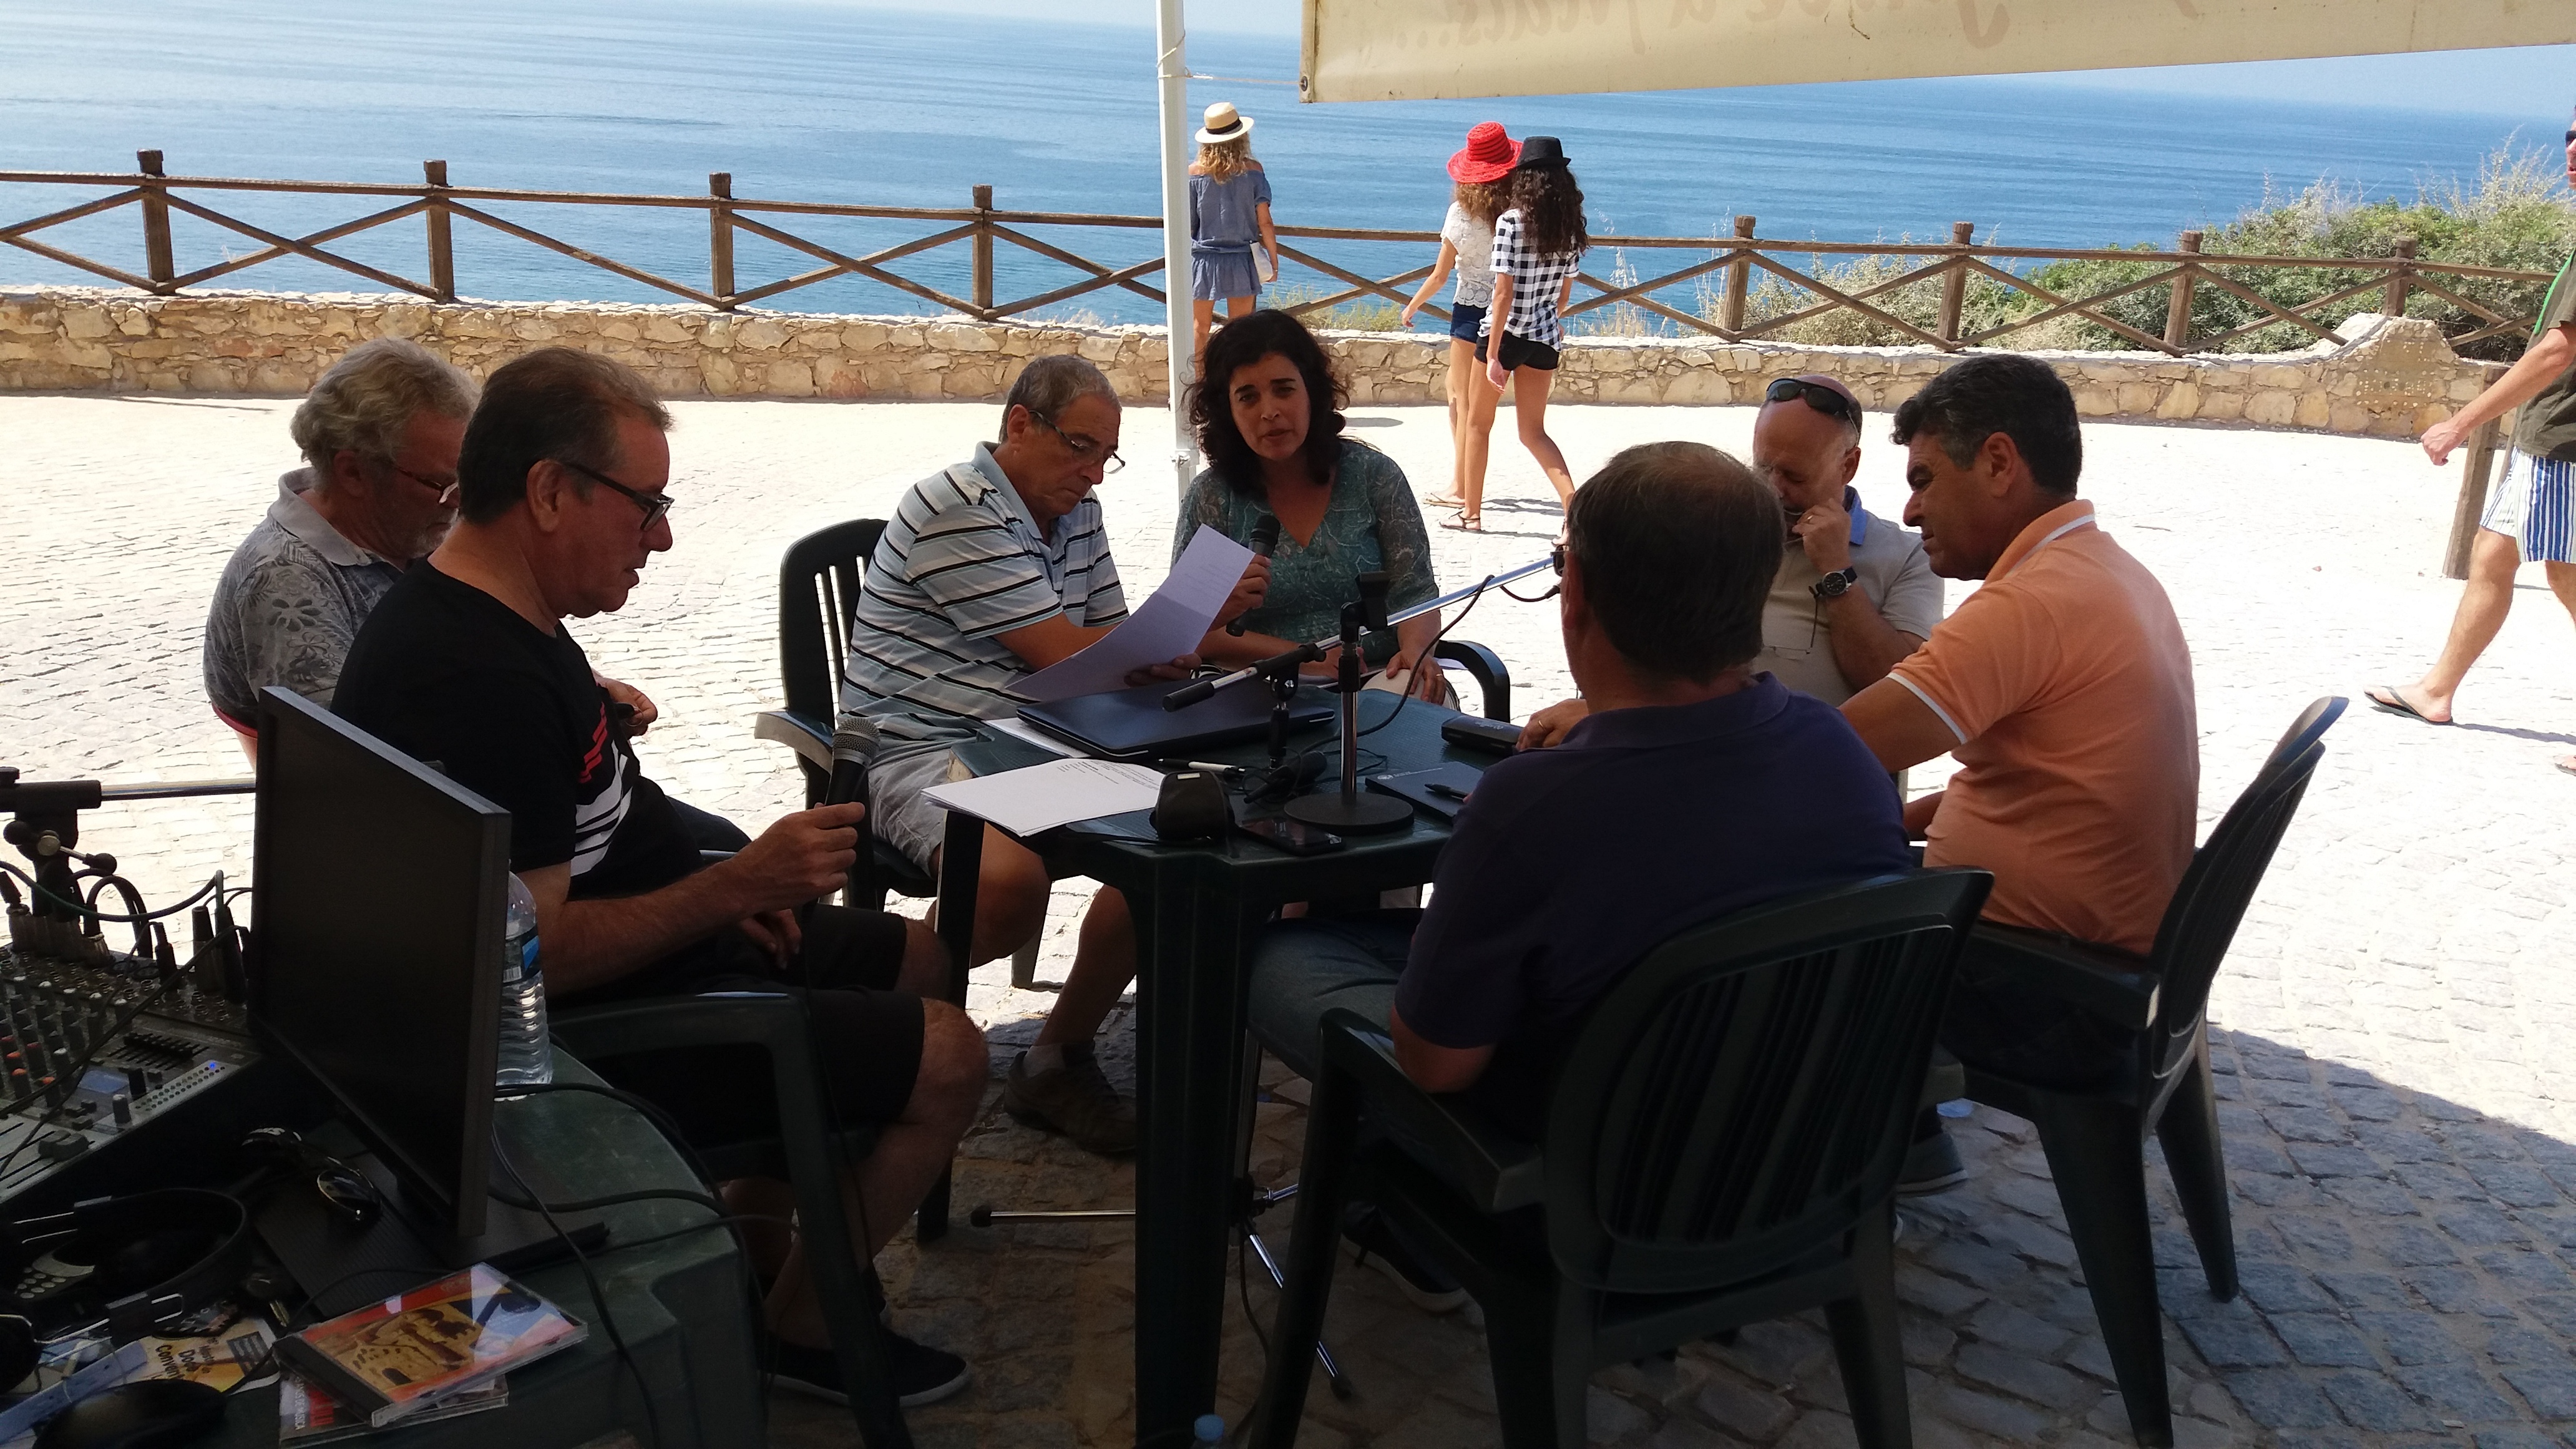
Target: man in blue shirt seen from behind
{"points": [[1694, 788]]}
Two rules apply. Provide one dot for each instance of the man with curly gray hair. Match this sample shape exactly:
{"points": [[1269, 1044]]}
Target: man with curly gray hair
{"points": [[379, 434]]}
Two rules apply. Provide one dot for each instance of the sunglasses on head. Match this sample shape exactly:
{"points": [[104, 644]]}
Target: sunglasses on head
{"points": [[1818, 396]]}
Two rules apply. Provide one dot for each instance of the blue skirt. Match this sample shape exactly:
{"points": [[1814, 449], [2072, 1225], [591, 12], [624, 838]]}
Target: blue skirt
{"points": [[1217, 276]]}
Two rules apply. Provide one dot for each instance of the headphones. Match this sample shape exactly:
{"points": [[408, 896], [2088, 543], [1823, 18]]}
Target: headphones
{"points": [[135, 1263]]}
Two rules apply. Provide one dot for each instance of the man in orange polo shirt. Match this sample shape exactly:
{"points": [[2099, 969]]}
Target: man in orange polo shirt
{"points": [[2063, 687]]}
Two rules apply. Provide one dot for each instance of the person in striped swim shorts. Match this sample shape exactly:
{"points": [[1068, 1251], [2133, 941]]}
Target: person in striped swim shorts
{"points": [[2531, 516]]}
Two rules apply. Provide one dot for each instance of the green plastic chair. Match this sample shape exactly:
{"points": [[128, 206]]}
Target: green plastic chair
{"points": [[1721, 1147]]}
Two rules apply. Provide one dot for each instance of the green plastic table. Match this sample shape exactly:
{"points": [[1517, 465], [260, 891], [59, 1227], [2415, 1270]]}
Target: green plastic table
{"points": [[1197, 909]]}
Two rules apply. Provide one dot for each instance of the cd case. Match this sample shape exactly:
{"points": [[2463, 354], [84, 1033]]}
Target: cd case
{"points": [[387, 1360]]}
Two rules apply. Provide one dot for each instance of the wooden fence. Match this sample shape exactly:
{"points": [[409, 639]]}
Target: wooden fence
{"points": [[1736, 259]]}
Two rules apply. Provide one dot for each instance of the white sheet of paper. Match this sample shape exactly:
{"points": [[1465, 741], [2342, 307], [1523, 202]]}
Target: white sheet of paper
{"points": [[1167, 626], [1042, 797]]}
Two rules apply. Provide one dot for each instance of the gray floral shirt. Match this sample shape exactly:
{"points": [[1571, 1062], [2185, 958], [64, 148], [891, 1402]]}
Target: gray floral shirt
{"points": [[287, 607], [1371, 524]]}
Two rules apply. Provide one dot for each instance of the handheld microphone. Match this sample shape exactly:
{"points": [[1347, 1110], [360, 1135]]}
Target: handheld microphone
{"points": [[1265, 538], [854, 744]]}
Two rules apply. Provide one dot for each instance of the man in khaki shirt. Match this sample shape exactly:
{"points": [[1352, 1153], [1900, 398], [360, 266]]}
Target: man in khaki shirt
{"points": [[1855, 593]]}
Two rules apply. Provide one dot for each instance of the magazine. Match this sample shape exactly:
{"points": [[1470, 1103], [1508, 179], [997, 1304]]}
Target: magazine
{"points": [[389, 1360]]}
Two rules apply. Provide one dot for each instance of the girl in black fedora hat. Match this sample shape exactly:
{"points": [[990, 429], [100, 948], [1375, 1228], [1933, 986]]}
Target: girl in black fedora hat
{"points": [[1538, 246]]}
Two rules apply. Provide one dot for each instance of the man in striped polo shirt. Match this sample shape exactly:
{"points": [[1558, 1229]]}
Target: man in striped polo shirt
{"points": [[2531, 517], [991, 570]]}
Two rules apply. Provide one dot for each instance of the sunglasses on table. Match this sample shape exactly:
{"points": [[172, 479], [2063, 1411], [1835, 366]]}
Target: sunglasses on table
{"points": [[656, 506], [1818, 396]]}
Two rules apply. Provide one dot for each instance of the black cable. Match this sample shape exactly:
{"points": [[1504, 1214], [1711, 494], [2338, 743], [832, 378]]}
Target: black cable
{"points": [[663, 1122], [1430, 658], [646, 1107], [70, 1080], [598, 1295], [708, 1201], [203, 891]]}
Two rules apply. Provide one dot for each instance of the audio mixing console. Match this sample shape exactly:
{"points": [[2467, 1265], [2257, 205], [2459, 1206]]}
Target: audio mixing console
{"points": [[54, 1012]]}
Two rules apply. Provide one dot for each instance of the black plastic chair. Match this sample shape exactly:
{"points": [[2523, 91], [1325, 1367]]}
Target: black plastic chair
{"points": [[818, 595], [811, 1152], [1721, 1147], [2094, 1139]]}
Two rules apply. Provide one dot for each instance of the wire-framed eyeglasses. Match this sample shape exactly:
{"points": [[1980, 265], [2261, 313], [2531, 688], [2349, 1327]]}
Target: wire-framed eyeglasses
{"points": [[1084, 449], [656, 506]]}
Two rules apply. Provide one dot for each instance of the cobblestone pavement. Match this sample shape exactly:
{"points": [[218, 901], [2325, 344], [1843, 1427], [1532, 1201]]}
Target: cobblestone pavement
{"points": [[2391, 1023]]}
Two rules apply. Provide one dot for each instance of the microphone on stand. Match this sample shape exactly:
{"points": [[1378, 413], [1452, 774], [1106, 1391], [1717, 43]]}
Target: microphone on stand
{"points": [[1265, 538]]}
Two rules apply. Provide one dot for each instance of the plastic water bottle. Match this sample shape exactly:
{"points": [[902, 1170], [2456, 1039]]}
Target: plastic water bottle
{"points": [[526, 1058]]}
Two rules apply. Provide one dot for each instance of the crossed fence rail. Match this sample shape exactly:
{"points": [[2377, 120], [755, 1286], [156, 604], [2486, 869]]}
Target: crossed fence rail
{"points": [[981, 226]]}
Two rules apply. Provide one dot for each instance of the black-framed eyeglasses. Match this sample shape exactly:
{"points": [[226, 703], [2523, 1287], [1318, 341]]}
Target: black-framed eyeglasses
{"points": [[447, 491], [1818, 396], [656, 506], [1084, 449]]}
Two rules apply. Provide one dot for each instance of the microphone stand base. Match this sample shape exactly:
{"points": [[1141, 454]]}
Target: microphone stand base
{"points": [[1360, 814]]}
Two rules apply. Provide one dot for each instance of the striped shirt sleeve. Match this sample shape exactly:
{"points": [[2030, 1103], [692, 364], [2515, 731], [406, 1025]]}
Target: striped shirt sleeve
{"points": [[968, 566]]}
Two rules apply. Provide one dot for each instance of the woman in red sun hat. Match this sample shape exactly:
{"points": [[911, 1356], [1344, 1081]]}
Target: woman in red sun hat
{"points": [[1483, 171]]}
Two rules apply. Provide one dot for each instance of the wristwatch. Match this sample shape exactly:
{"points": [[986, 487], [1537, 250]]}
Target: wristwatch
{"points": [[1833, 585]]}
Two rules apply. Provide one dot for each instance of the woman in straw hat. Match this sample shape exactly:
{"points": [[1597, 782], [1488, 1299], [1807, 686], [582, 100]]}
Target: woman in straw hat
{"points": [[1481, 170], [1229, 211]]}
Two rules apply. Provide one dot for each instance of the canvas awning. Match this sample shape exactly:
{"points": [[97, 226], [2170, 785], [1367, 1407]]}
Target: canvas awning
{"points": [[1378, 50]]}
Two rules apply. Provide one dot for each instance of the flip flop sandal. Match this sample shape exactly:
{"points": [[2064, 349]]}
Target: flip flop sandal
{"points": [[2566, 764], [1465, 523], [2400, 707], [1445, 500]]}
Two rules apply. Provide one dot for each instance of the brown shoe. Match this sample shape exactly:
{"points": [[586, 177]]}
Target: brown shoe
{"points": [[1074, 1099]]}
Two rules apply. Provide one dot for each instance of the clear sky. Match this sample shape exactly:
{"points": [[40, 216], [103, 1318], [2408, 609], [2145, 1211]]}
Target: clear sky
{"points": [[2532, 80]]}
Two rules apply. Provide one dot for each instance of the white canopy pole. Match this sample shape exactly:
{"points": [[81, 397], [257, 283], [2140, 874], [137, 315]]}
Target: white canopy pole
{"points": [[1173, 73]]}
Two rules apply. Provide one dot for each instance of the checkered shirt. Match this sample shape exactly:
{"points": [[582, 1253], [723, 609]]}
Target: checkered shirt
{"points": [[1535, 282]]}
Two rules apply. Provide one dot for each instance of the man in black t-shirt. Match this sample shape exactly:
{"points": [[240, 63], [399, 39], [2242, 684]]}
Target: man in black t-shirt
{"points": [[565, 475]]}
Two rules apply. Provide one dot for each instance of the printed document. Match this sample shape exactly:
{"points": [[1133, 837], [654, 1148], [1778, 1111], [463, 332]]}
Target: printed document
{"points": [[1167, 626], [1060, 792]]}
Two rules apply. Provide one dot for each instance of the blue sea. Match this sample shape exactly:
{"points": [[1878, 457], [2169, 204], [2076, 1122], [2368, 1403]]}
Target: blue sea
{"points": [[807, 101]]}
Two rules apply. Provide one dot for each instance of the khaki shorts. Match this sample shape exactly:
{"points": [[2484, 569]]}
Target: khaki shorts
{"points": [[901, 816]]}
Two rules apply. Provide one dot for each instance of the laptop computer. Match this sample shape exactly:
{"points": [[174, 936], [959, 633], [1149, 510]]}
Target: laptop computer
{"points": [[1131, 724]]}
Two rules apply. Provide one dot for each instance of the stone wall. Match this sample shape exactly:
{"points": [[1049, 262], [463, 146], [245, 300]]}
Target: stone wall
{"points": [[2383, 377]]}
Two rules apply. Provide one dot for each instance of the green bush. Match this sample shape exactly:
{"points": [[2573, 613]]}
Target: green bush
{"points": [[1360, 314], [2512, 216]]}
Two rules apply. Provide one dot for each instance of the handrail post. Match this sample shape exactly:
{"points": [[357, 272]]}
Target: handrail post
{"points": [[1739, 281], [984, 249], [2394, 304], [720, 239], [156, 223], [2477, 465], [1954, 281], [2178, 305], [442, 249]]}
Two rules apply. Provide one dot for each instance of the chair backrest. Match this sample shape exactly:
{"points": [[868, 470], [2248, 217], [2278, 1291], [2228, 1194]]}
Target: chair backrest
{"points": [[818, 593], [1747, 1090], [2307, 729], [2201, 921]]}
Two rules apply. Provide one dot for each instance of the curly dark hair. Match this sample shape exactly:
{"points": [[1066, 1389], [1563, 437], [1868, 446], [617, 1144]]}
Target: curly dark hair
{"points": [[1551, 208], [1241, 343]]}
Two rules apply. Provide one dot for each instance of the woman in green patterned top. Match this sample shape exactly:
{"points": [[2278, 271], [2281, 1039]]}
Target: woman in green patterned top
{"points": [[1267, 410]]}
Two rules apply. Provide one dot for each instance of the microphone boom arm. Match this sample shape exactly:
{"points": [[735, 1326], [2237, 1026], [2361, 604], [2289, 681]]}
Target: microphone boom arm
{"points": [[1191, 693]]}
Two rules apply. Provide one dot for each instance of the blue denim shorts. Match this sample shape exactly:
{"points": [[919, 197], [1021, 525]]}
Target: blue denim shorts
{"points": [[1466, 320]]}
